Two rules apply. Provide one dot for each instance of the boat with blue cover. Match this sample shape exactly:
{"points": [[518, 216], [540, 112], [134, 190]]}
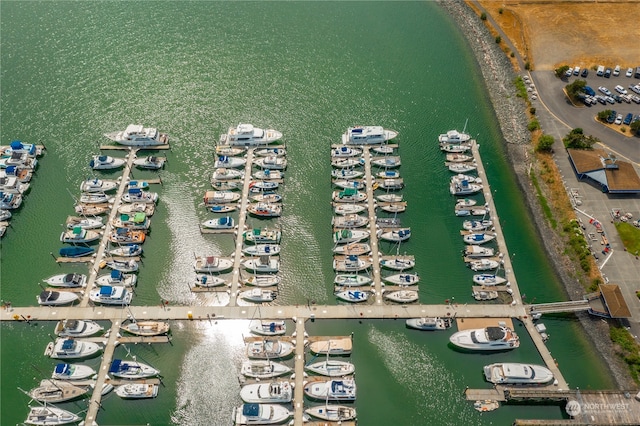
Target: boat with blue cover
{"points": [[225, 161], [332, 390], [353, 296], [224, 222], [111, 295], [117, 278], [76, 251], [71, 348], [24, 148], [131, 369], [260, 414], [64, 371], [138, 135], [127, 251]]}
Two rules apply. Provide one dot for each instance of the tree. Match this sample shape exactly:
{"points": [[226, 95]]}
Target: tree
{"points": [[576, 87], [603, 115], [578, 140], [635, 127], [560, 71], [545, 143]]}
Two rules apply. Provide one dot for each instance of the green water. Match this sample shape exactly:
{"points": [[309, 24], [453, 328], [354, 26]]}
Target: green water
{"points": [[72, 71]]}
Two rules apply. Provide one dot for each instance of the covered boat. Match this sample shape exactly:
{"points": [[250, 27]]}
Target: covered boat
{"points": [[260, 369], [513, 373], [268, 327], [353, 296], [116, 277], [136, 195], [395, 235], [348, 195], [478, 238], [488, 279], [486, 339], [131, 369], [279, 392], [111, 295], [76, 251], [225, 161], [260, 414], [345, 151], [263, 235], [209, 281], [349, 236], [224, 222], [331, 390], [64, 371], [398, 263], [127, 250], [70, 349], [431, 323], [261, 250], [77, 328]]}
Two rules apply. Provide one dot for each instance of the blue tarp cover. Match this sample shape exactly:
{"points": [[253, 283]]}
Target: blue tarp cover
{"points": [[250, 410]]}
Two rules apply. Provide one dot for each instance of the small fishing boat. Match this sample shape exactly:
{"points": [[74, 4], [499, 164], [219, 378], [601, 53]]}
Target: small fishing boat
{"points": [[279, 392], [486, 339], [464, 188], [271, 162], [265, 209], [111, 295], [258, 186], [84, 222], [475, 251], [211, 198], [395, 235], [51, 391], [222, 208], [262, 280], [106, 162], [76, 251], [224, 161], [458, 158], [455, 148], [227, 185], [389, 198], [131, 250], [266, 197], [262, 264], [461, 167], [388, 162], [332, 413], [345, 152], [146, 328], [349, 221], [331, 368], [471, 211], [137, 184], [353, 296], [138, 135], [478, 238], [5, 215], [224, 174], [398, 263], [262, 250], [77, 328], [136, 221], [331, 390], [269, 349], [343, 236], [514, 373], [402, 296], [270, 152], [64, 348], [136, 195], [64, 371], [339, 346], [210, 264], [131, 369], [258, 295], [268, 174], [229, 150], [465, 202], [383, 149], [391, 184], [477, 225], [67, 280], [483, 264], [268, 327], [48, 415], [402, 279], [137, 390], [127, 236], [347, 183], [10, 201], [78, 235], [345, 163], [346, 173], [247, 135], [352, 280], [429, 324], [351, 263], [259, 369], [367, 135], [150, 162], [260, 414], [453, 136], [357, 249], [98, 185], [116, 277], [263, 235], [56, 298], [486, 405], [346, 209], [132, 208], [224, 222], [488, 279], [484, 294], [209, 281], [95, 198]]}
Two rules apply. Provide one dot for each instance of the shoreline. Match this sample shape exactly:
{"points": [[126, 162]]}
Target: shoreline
{"points": [[498, 75]]}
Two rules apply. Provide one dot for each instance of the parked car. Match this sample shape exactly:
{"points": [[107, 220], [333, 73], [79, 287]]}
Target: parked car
{"points": [[607, 73], [610, 100], [620, 89], [589, 91], [627, 119], [585, 73], [618, 119], [635, 88], [600, 71], [616, 71], [612, 117], [626, 98], [636, 99], [601, 99], [576, 71], [569, 72], [629, 72], [604, 90], [617, 98]]}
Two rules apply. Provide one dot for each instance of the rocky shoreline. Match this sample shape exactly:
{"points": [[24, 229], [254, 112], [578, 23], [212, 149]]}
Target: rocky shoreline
{"points": [[499, 75]]}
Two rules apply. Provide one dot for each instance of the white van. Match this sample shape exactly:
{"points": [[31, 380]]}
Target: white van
{"points": [[616, 71], [576, 71], [600, 71]]}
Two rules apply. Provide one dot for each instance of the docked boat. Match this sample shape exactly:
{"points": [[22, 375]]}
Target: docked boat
{"points": [[332, 413], [262, 250], [227, 185], [150, 162], [138, 135], [76, 251], [258, 295], [347, 183], [224, 222], [271, 162], [268, 174], [471, 211], [339, 346], [486, 339], [393, 207], [131, 369], [268, 327], [17, 146], [222, 208], [454, 148], [279, 392], [478, 238], [477, 225], [346, 209], [331, 390], [512, 373], [64, 348], [137, 390], [465, 202], [229, 162], [122, 265], [211, 264], [209, 281], [388, 162], [229, 150], [98, 185], [398, 263], [22, 173], [461, 167], [11, 185], [146, 328], [136, 195], [67, 280], [367, 135], [269, 349], [391, 184], [429, 324], [111, 295], [260, 414], [402, 279], [454, 137], [132, 208], [95, 198], [343, 236], [248, 135], [219, 197], [52, 391], [56, 298], [388, 174], [351, 263], [270, 152], [488, 279], [259, 369], [137, 184], [258, 186], [262, 280], [263, 235], [346, 173], [225, 174], [389, 198], [402, 296], [475, 251], [353, 296], [331, 368], [127, 236], [265, 209], [131, 250], [84, 222], [348, 195], [464, 188], [395, 235], [483, 265], [136, 221], [349, 221], [345, 163], [383, 149], [483, 294], [262, 264], [266, 197], [50, 416], [345, 152], [458, 158], [106, 162], [77, 328], [356, 249], [116, 277], [5, 215]]}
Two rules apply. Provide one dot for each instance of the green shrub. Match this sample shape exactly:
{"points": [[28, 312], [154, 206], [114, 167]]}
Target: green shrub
{"points": [[483, 16], [533, 125]]}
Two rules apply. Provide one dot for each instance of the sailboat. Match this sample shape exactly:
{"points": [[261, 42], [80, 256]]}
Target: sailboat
{"points": [[145, 328]]}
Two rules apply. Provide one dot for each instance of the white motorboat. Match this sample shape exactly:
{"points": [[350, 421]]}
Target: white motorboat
{"points": [[258, 295], [146, 328], [122, 265], [332, 413], [92, 209], [56, 298], [248, 135], [137, 390], [98, 185], [454, 137], [486, 339], [139, 196], [137, 184], [478, 238], [64, 371], [402, 279], [131, 369], [262, 264], [345, 152], [389, 198], [367, 135], [391, 184], [488, 279], [351, 263], [95, 198], [271, 162], [346, 173], [383, 149], [130, 250], [5, 215], [263, 235], [48, 415], [398, 263], [477, 225], [475, 251], [402, 296], [138, 135], [84, 222], [11, 185], [136, 221], [227, 185], [388, 174], [225, 174], [349, 221], [106, 162], [77, 328], [458, 158], [331, 390], [388, 162], [266, 197], [64, 348], [483, 264], [67, 280], [348, 183], [347, 209], [219, 197], [229, 162], [268, 152], [116, 277], [454, 148], [269, 349], [353, 296], [348, 195], [259, 369], [268, 327], [471, 211], [461, 167], [224, 222], [279, 392], [150, 162], [259, 186], [262, 250], [260, 414], [512, 373], [356, 249], [339, 346], [331, 368], [465, 202], [111, 295], [209, 281], [22, 173], [262, 280], [483, 294], [428, 324], [229, 150], [345, 163], [146, 208], [210, 264], [343, 236], [268, 174], [395, 235], [464, 188]]}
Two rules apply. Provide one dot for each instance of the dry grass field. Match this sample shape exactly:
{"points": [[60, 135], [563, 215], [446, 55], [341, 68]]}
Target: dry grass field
{"points": [[573, 32]]}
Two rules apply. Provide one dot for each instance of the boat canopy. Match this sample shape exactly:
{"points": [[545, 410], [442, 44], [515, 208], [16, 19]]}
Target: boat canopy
{"points": [[61, 368], [116, 275], [135, 191], [68, 344], [49, 295], [117, 365], [404, 232], [250, 410], [106, 290], [102, 158], [225, 220]]}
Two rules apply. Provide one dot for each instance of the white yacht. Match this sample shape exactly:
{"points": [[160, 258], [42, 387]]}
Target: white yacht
{"points": [[511, 373], [261, 369], [332, 390], [431, 323], [486, 339], [138, 135], [247, 135], [111, 295], [367, 135], [454, 137], [272, 392], [260, 414], [69, 349], [131, 369], [77, 328], [269, 349], [137, 390]]}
